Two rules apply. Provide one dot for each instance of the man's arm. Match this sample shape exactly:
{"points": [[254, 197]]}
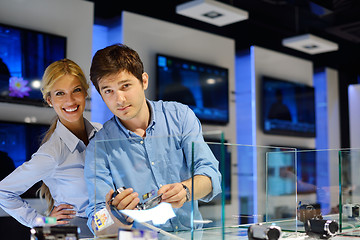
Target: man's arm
{"points": [[202, 186], [175, 193], [199, 155]]}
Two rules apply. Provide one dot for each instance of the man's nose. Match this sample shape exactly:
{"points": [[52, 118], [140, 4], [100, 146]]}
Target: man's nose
{"points": [[120, 97]]}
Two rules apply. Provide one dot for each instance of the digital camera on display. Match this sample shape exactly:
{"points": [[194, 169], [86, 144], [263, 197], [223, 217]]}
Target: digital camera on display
{"points": [[308, 211], [320, 228], [351, 210], [263, 232]]}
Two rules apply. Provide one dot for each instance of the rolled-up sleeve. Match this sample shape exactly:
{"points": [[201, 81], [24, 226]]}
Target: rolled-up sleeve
{"points": [[197, 150]]}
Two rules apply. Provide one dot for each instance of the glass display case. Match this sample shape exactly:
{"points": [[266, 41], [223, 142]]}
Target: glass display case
{"points": [[349, 194], [262, 188]]}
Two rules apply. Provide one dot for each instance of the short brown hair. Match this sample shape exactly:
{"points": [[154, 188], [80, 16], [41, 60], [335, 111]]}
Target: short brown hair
{"points": [[115, 59]]}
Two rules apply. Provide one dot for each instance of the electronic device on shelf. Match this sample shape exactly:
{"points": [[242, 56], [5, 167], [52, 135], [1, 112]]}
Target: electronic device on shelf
{"points": [[264, 232], [308, 211], [288, 108], [24, 55], [321, 228], [306, 168], [18, 141], [203, 87], [351, 210], [225, 167]]}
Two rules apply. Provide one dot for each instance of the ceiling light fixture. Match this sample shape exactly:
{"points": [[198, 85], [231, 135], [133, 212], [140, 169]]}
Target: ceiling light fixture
{"points": [[212, 12], [310, 44]]}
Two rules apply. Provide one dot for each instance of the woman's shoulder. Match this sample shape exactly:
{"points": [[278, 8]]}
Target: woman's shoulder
{"points": [[52, 147]]}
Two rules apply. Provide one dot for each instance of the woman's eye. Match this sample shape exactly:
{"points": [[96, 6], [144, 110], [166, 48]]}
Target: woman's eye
{"points": [[107, 91], [77, 90], [59, 93]]}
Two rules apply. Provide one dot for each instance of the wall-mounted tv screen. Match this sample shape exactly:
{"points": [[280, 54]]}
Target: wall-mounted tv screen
{"points": [[288, 108], [204, 88], [216, 148], [18, 141], [281, 172], [24, 55]]}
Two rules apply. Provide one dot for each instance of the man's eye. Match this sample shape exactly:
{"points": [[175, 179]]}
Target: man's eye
{"points": [[107, 91], [77, 90]]}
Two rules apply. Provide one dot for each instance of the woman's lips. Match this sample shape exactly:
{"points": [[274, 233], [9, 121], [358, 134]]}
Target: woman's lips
{"points": [[71, 109]]}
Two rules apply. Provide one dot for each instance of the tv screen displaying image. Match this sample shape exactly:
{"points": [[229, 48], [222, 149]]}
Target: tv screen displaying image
{"points": [[222, 153], [18, 141], [281, 172], [24, 55], [204, 88], [288, 108]]}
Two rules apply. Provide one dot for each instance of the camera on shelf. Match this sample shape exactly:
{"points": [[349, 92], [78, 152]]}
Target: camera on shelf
{"points": [[351, 210], [308, 211], [263, 232], [321, 228]]}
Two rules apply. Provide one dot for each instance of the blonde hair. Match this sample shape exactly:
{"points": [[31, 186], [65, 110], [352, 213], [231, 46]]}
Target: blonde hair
{"points": [[52, 73]]}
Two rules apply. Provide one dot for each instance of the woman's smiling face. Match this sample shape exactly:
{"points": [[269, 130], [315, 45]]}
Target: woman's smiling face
{"points": [[67, 97]]}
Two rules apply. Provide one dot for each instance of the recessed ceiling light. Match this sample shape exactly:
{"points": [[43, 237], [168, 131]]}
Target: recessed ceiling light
{"points": [[212, 12], [310, 44]]}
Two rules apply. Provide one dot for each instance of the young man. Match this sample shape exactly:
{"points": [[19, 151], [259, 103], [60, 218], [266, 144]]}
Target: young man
{"points": [[147, 146]]}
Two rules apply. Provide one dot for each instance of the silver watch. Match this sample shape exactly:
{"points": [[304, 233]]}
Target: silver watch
{"points": [[187, 192]]}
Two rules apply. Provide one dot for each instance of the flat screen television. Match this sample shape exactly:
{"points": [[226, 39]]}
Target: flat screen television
{"points": [[24, 55], [288, 108], [203, 87], [216, 148], [18, 141], [281, 172]]}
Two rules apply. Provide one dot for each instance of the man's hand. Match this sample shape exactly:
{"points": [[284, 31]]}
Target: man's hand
{"points": [[174, 194], [124, 200], [62, 213], [127, 199]]}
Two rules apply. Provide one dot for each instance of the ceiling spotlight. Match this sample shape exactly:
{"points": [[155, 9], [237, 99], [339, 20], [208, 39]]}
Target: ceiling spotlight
{"points": [[310, 44], [212, 12]]}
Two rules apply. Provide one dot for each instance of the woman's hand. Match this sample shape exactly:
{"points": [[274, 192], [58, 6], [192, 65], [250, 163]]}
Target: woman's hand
{"points": [[63, 213]]}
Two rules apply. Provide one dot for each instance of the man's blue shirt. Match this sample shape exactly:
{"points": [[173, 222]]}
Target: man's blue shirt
{"points": [[117, 157]]}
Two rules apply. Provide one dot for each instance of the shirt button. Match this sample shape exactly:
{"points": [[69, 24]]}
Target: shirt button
{"points": [[141, 142], [152, 163], [161, 185], [176, 227]]}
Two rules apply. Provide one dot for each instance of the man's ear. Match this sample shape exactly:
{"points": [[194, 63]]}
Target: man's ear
{"points": [[145, 80]]}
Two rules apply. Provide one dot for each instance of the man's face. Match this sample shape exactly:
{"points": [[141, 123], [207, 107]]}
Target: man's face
{"points": [[124, 95]]}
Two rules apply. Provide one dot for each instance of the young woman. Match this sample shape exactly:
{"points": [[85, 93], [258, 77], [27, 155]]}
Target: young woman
{"points": [[59, 162]]}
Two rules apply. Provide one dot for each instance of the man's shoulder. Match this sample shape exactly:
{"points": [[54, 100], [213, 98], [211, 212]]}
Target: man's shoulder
{"points": [[108, 127], [168, 106]]}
